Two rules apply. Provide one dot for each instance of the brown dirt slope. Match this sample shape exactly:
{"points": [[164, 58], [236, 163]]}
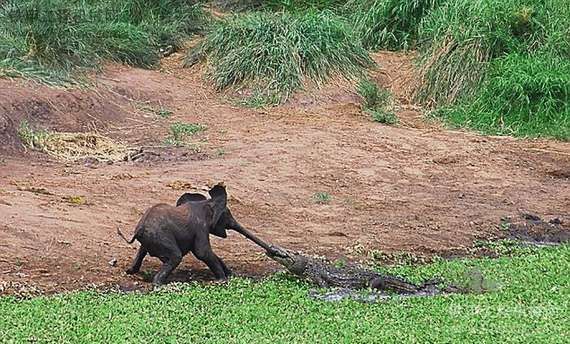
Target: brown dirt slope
{"points": [[414, 187]]}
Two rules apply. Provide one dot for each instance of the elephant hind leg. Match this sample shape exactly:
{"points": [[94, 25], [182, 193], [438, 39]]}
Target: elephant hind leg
{"points": [[169, 263], [137, 261]]}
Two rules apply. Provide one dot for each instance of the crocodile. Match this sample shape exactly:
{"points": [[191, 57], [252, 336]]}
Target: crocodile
{"points": [[326, 275]]}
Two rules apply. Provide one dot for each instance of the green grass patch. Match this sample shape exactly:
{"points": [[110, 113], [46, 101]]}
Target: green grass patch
{"points": [[277, 5], [461, 37], [159, 110], [529, 303], [521, 96], [57, 36], [181, 132], [388, 24], [275, 54], [377, 102], [322, 197], [499, 67]]}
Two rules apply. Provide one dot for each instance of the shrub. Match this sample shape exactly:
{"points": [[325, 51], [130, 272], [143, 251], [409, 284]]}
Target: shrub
{"points": [[277, 54]]}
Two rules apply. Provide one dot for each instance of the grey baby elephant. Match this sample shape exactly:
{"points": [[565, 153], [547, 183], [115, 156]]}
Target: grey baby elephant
{"points": [[170, 232]]}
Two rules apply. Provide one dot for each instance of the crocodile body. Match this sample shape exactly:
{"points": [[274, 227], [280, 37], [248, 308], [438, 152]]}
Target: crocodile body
{"points": [[324, 274]]}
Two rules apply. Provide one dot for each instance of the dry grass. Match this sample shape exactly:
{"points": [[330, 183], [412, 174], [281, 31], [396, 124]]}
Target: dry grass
{"points": [[72, 146]]}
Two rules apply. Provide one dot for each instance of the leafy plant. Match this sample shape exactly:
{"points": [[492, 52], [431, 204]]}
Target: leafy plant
{"points": [[528, 302]]}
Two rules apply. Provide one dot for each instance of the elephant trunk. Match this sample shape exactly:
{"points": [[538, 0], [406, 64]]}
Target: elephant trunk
{"points": [[246, 233]]}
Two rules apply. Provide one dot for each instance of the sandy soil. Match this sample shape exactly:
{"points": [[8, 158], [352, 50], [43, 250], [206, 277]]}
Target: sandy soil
{"points": [[415, 187]]}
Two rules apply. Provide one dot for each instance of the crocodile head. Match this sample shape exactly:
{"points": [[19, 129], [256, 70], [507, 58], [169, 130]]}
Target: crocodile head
{"points": [[293, 262]]}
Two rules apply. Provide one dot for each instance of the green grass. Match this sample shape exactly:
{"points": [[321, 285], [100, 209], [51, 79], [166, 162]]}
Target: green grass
{"points": [[43, 38], [180, 132], [498, 66], [521, 96], [275, 54], [388, 24], [530, 304], [461, 37], [159, 111], [322, 197], [277, 5], [377, 102]]}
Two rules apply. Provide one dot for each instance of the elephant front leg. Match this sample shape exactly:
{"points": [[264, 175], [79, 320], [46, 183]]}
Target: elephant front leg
{"points": [[203, 251], [227, 270]]}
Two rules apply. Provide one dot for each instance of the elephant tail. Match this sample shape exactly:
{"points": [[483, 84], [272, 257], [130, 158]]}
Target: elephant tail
{"points": [[124, 238]]}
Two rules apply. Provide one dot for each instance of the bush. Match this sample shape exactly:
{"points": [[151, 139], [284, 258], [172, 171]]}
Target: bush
{"points": [[522, 96], [276, 54]]}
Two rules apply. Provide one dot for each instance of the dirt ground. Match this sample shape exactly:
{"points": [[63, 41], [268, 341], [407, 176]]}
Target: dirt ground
{"points": [[415, 187]]}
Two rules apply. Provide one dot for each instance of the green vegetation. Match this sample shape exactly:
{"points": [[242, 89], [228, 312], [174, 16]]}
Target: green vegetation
{"points": [[46, 39], [529, 302], [322, 198], [521, 95], [32, 138], [499, 66], [377, 102], [388, 24], [277, 5], [275, 54], [180, 132], [300, 5]]}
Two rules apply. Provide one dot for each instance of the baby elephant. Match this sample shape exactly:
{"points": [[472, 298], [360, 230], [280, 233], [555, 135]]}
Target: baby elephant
{"points": [[169, 232]]}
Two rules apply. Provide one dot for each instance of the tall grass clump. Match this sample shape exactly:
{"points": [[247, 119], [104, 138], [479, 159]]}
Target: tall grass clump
{"points": [[522, 96], [460, 38], [388, 24], [276, 54], [60, 35]]}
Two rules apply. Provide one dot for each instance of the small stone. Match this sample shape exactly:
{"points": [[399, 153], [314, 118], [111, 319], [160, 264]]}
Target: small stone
{"points": [[113, 262]]}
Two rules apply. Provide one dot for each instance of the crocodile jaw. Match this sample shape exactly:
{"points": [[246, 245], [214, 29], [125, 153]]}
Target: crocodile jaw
{"points": [[291, 261]]}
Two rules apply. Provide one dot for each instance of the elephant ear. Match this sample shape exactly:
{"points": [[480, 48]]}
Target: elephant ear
{"points": [[218, 205], [191, 197], [216, 227]]}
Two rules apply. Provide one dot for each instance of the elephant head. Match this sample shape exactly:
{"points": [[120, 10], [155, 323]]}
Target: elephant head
{"points": [[215, 208]]}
